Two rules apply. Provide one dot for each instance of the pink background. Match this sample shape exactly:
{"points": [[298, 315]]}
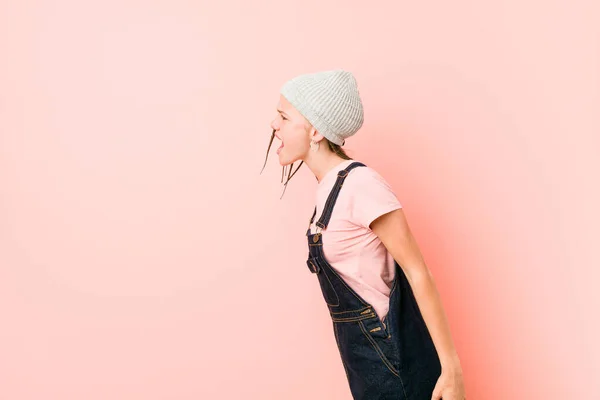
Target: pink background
{"points": [[142, 256]]}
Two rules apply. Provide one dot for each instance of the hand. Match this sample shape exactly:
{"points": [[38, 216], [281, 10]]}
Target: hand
{"points": [[450, 386]]}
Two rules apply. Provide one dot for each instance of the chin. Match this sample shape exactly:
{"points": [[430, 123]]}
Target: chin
{"points": [[285, 159]]}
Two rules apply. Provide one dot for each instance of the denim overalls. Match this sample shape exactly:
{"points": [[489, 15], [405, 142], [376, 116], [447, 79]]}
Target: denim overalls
{"points": [[391, 360]]}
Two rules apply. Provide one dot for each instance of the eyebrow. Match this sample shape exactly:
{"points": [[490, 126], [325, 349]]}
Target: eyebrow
{"points": [[282, 112]]}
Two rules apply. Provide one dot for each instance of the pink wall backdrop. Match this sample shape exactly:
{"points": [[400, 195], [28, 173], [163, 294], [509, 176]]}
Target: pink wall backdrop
{"points": [[142, 256]]}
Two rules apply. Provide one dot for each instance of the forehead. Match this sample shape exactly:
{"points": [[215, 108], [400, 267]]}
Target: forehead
{"points": [[285, 105]]}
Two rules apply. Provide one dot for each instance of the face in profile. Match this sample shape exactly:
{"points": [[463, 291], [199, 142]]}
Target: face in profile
{"points": [[293, 131]]}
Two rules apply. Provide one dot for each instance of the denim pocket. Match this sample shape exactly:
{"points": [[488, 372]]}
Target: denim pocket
{"points": [[381, 343]]}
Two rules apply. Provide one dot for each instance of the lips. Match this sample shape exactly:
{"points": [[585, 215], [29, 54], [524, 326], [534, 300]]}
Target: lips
{"points": [[280, 147]]}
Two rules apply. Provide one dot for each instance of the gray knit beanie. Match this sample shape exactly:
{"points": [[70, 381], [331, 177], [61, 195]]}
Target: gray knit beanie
{"points": [[329, 100]]}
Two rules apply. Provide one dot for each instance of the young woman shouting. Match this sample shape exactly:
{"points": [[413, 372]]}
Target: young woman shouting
{"points": [[388, 320]]}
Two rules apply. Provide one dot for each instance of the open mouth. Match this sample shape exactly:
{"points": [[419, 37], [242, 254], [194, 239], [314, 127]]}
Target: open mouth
{"points": [[280, 147]]}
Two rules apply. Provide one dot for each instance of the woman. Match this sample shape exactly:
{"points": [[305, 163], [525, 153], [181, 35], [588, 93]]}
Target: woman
{"points": [[389, 324]]}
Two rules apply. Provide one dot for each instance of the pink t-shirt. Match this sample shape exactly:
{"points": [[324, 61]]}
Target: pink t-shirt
{"points": [[349, 245]]}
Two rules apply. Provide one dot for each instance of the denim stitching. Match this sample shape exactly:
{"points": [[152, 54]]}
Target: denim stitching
{"points": [[353, 319], [380, 353], [333, 289], [337, 341], [346, 312]]}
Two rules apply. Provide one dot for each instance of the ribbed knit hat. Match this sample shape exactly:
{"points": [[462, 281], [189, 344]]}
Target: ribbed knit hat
{"points": [[329, 100]]}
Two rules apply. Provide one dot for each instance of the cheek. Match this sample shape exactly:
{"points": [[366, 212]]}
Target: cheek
{"points": [[297, 142], [298, 137]]}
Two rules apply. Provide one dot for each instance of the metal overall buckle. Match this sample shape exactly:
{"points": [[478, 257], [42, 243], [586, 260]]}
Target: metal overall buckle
{"points": [[317, 232], [313, 266]]}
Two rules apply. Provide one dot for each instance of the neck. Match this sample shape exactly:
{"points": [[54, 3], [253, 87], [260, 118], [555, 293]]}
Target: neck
{"points": [[321, 164]]}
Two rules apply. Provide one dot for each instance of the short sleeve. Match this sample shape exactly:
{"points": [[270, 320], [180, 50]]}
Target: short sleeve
{"points": [[372, 196]]}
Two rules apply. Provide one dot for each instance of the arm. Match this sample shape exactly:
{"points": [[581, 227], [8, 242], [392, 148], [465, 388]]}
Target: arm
{"points": [[394, 232]]}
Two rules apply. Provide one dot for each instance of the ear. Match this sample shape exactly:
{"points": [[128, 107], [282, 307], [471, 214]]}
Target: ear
{"points": [[315, 135]]}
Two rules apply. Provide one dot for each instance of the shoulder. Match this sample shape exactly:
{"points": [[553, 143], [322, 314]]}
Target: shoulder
{"points": [[366, 185], [369, 195], [364, 176]]}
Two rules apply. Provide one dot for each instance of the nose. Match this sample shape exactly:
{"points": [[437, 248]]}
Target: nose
{"points": [[275, 128]]}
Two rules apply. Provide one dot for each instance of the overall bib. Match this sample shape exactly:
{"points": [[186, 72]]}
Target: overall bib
{"points": [[391, 360]]}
